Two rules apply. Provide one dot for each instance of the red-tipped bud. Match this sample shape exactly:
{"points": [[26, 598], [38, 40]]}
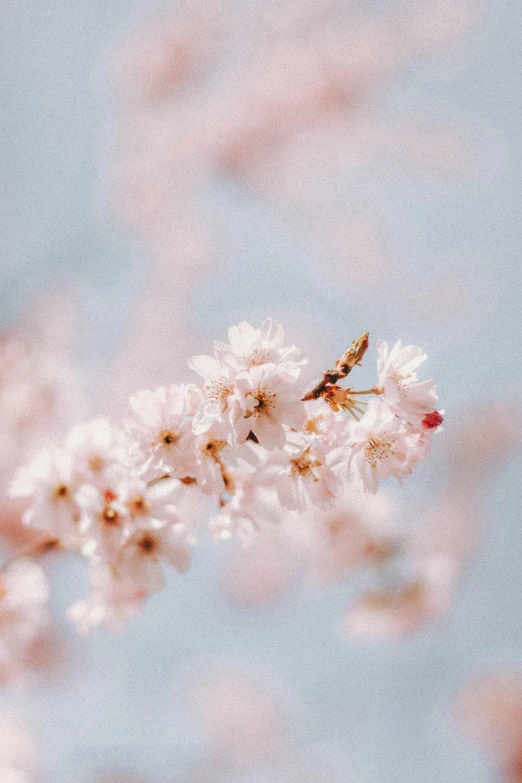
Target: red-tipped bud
{"points": [[432, 420]]}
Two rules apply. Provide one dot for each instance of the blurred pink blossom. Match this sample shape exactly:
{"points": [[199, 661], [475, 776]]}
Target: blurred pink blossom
{"points": [[18, 753], [244, 724], [488, 710]]}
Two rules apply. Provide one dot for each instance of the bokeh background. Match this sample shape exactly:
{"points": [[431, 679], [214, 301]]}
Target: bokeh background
{"points": [[171, 169]]}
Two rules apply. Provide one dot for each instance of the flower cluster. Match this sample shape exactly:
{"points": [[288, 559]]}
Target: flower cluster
{"points": [[247, 436]]}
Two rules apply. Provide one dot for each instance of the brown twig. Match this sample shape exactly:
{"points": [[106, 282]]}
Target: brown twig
{"points": [[342, 367]]}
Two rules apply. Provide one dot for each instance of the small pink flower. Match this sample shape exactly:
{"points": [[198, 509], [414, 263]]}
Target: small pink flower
{"points": [[160, 425], [111, 604], [401, 610], [357, 531], [407, 397], [49, 480], [302, 476], [488, 710], [375, 447], [217, 392], [94, 447], [266, 398], [105, 522], [251, 347], [18, 758], [209, 468], [139, 559], [251, 507], [244, 724]]}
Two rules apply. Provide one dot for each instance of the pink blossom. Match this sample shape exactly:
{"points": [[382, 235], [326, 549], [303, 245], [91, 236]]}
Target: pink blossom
{"points": [[263, 572], [488, 710], [95, 447], [407, 397], [375, 447], [233, 520], [113, 601], [18, 757], [432, 420], [209, 468], [50, 482], [357, 531], [157, 535], [251, 507], [243, 722], [217, 392], [105, 521], [303, 476], [139, 559], [402, 609], [321, 422], [160, 424], [266, 398], [129, 498], [251, 347]]}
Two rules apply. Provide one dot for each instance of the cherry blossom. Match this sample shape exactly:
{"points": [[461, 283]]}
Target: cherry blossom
{"points": [[147, 548], [377, 446], [266, 398], [398, 610], [104, 522], [407, 397], [18, 757], [217, 391], [49, 480], [244, 723], [113, 601], [357, 531], [249, 347], [488, 711], [129, 496], [159, 423], [303, 476], [94, 447]]}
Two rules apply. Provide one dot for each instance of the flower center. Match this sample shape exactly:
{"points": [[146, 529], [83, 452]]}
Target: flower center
{"points": [[110, 516], [256, 357], [168, 438], [147, 543], [61, 492], [218, 391], [264, 401], [138, 506], [212, 447], [304, 466], [377, 450], [96, 464]]}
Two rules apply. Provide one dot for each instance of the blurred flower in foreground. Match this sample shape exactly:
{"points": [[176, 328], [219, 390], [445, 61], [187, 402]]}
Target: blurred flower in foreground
{"points": [[488, 710], [244, 724], [18, 760]]}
